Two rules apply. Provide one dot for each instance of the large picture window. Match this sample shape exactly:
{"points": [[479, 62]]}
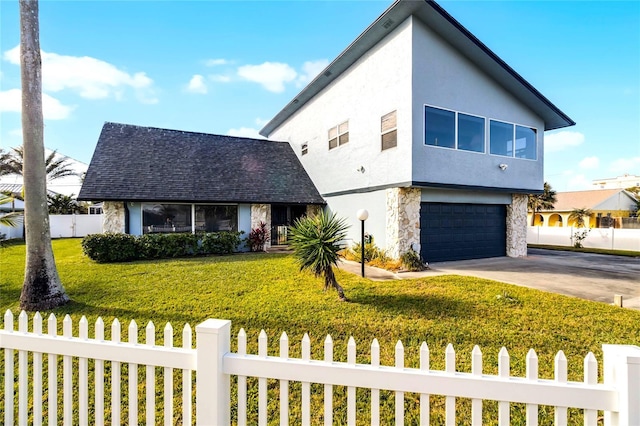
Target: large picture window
{"points": [[501, 138], [169, 218], [440, 127], [470, 133], [526, 142]]}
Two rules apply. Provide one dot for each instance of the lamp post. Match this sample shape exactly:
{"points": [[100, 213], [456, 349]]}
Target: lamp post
{"points": [[362, 216]]}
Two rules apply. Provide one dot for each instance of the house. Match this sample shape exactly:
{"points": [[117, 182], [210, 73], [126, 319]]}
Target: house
{"points": [[608, 208], [625, 181], [424, 126], [154, 180]]}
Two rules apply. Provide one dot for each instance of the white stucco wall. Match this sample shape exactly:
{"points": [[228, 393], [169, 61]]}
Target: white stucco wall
{"points": [[347, 206], [378, 83], [442, 77]]}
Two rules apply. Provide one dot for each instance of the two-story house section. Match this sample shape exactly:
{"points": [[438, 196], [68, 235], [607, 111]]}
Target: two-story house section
{"points": [[421, 124]]}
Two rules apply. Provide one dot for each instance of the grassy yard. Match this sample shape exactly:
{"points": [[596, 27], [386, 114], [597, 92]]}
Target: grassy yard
{"points": [[266, 291]]}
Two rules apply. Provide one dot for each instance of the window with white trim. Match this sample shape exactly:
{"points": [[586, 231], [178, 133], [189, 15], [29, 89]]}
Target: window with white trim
{"points": [[339, 135], [452, 129], [512, 140], [304, 149], [389, 130]]}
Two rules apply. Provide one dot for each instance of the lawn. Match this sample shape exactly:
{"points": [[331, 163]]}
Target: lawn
{"points": [[266, 291]]}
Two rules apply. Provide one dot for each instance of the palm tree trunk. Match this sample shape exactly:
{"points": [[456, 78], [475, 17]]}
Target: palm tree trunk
{"points": [[331, 281], [42, 289]]}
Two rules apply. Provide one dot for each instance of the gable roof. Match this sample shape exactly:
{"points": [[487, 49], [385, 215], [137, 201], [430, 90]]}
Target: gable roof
{"points": [[567, 201], [134, 163], [436, 18]]}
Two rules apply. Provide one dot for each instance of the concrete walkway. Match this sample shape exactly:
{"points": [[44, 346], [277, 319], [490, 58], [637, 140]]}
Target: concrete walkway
{"points": [[584, 275]]}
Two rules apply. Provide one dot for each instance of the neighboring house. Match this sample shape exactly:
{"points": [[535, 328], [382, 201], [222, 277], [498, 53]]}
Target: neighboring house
{"points": [[608, 208], [421, 124], [625, 181], [157, 180]]}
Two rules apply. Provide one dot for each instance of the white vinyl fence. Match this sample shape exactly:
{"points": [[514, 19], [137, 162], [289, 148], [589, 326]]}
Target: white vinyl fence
{"points": [[602, 238], [88, 392], [13, 231], [75, 225]]}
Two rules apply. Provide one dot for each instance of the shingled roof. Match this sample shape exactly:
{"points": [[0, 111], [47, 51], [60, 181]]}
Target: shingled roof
{"points": [[134, 163]]}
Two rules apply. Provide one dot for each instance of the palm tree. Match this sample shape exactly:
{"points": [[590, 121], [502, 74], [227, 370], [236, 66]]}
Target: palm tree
{"points": [[316, 241], [42, 289], [9, 219], [56, 166], [544, 201], [578, 215], [5, 163]]}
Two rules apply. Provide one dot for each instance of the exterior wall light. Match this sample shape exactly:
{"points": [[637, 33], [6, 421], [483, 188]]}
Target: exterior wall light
{"points": [[503, 167]]}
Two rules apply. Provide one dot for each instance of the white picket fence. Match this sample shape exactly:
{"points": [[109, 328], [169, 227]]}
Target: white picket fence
{"points": [[214, 365]]}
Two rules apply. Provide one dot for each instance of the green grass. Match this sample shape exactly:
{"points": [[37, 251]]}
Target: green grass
{"points": [[266, 291]]}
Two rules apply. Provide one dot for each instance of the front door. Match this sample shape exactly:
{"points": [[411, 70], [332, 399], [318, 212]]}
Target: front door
{"points": [[282, 216]]}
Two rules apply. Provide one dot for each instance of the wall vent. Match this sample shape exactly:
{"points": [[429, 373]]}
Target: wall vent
{"points": [[387, 23]]}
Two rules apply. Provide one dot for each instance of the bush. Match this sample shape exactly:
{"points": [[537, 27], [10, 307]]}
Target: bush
{"points": [[371, 252], [258, 237], [412, 261], [225, 242], [106, 248]]}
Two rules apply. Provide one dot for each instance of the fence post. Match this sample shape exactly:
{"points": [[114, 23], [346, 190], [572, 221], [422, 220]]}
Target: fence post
{"points": [[622, 371], [213, 401]]}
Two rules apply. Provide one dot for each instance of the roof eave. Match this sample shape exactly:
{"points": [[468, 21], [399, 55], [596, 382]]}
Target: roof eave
{"points": [[451, 30]]}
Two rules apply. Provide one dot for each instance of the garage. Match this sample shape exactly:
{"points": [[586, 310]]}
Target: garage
{"points": [[462, 231]]}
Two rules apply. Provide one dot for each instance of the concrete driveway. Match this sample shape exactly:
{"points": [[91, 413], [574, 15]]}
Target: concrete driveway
{"points": [[587, 276]]}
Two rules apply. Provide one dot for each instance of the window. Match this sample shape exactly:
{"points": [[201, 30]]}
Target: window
{"points": [[440, 127], [388, 128], [501, 138], [470, 133], [525, 142], [339, 135], [214, 218], [304, 149], [166, 218]]}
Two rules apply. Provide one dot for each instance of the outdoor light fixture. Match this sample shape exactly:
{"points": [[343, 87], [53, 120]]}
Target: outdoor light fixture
{"points": [[503, 167], [362, 216], [360, 169]]}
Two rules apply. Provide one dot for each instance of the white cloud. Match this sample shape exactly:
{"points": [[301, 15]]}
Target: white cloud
{"points": [[91, 78], [589, 163], [245, 132], [271, 75], [216, 62], [579, 182], [197, 85], [562, 140], [219, 78], [261, 122], [52, 109], [310, 70], [626, 165]]}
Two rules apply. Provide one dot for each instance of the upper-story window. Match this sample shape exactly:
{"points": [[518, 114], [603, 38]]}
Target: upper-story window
{"points": [[451, 129], [512, 140], [304, 149], [389, 130], [339, 135]]}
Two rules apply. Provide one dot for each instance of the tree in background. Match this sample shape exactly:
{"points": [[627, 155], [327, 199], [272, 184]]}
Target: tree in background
{"points": [[42, 289], [56, 166], [544, 201], [578, 215], [65, 204], [316, 241]]}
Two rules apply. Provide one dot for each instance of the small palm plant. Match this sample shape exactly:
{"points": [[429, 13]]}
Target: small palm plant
{"points": [[316, 241]]}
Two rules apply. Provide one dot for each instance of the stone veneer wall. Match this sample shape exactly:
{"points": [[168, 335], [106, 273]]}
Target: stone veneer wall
{"points": [[403, 220], [517, 226], [113, 219], [261, 213]]}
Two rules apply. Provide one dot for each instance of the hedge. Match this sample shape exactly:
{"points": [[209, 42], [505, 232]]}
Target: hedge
{"points": [[108, 248]]}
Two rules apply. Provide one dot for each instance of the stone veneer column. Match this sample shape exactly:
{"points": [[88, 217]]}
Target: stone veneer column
{"points": [[517, 226], [261, 213], [403, 220], [113, 219]]}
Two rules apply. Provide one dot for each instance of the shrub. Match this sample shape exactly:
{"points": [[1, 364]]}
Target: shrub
{"points": [[258, 237], [371, 252], [412, 261], [105, 248], [162, 246], [225, 242]]}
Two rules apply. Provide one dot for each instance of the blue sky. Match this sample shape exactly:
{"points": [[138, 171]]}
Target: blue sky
{"points": [[227, 67]]}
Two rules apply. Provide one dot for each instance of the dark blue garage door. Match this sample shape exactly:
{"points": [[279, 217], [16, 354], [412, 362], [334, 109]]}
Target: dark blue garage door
{"points": [[462, 231]]}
